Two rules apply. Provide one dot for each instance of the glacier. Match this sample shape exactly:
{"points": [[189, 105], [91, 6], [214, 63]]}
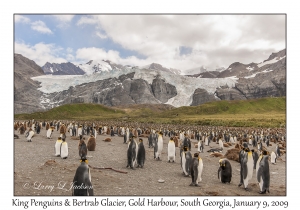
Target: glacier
{"points": [[185, 85]]}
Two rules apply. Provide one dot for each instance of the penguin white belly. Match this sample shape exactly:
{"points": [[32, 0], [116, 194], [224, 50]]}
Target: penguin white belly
{"points": [[30, 135], [70, 131], [221, 144], [79, 131], [57, 147], [64, 150], [261, 183], [95, 133], [183, 162], [171, 151], [250, 141], [249, 169], [250, 165], [273, 158], [206, 141], [127, 137], [49, 132], [199, 144], [231, 140], [257, 164], [136, 152], [200, 170], [159, 147], [105, 130]]}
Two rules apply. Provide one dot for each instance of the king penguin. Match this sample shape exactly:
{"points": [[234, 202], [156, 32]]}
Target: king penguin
{"points": [[64, 149], [171, 150], [225, 171], [200, 146], [159, 146], [30, 135], [82, 148], [57, 146], [141, 154], [196, 169], [186, 158], [206, 141], [131, 153], [263, 175], [82, 182], [49, 132], [273, 157], [247, 167], [221, 144]]}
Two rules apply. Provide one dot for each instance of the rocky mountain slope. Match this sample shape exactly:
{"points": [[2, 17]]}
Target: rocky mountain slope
{"points": [[111, 84], [26, 93]]}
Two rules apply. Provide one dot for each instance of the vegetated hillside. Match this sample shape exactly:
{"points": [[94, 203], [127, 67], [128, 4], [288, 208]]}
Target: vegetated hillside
{"points": [[266, 112], [79, 111], [253, 106]]}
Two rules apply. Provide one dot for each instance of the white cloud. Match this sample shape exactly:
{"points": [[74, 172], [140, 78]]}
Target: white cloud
{"points": [[21, 19], [40, 53], [102, 36], [41, 27], [159, 37], [64, 18], [87, 54], [87, 20]]}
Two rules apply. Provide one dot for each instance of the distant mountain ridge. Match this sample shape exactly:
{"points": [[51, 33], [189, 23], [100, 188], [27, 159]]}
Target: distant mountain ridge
{"points": [[62, 69], [105, 82]]}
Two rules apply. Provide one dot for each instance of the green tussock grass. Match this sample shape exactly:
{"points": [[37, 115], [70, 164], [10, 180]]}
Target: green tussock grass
{"points": [[75, 112], [265, 112]]}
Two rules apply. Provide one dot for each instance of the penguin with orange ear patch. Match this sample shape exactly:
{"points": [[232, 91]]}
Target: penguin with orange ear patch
{"points": [[141, 154], [82, 182], [225, 171], [196, 169]]}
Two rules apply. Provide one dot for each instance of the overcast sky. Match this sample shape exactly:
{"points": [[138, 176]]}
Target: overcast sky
{"points": [[175, 41]]}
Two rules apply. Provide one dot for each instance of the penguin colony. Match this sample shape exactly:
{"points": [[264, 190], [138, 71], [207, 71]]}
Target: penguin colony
{"points": [[251, 144]]}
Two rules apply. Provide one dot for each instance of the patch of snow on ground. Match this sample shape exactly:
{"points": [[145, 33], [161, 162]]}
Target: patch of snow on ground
{"points": [[270, 61], [250, 68], [267, 70], [253, 75]]}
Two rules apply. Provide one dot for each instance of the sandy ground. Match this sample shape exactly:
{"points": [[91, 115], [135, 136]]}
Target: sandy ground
{"points": [[33, 176]]}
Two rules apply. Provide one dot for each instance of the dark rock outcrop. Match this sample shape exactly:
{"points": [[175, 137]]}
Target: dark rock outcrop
{"points": [[163, 91], [26, 93], [201, 96]]}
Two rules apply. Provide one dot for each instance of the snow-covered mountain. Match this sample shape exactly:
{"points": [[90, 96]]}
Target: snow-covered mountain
{"points": [[112, 84], [62, 69], [97, 66], [159, 67], [201, 71]]}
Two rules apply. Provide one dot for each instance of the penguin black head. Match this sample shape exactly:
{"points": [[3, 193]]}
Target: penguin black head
{"points": [[83, 159], [59, 138], [196, 154], [222, 162], [140, 140], [185, 149], [264, 152], [246, 149]]}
